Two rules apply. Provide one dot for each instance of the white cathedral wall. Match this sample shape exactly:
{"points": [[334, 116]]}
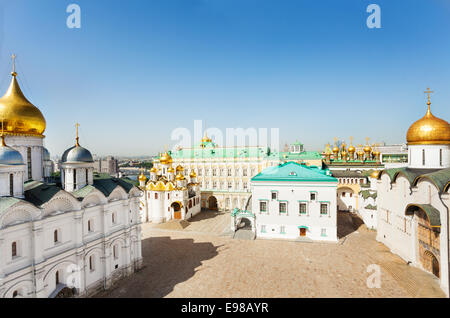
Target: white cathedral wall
{"points": [[73, 252], [293, 193], [21, 144], [18, 176], [432, 156]]}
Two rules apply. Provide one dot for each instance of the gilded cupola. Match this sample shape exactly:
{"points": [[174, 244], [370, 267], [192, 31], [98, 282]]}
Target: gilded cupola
{"points": [[429, 130], [165, 159], [20, 116]]}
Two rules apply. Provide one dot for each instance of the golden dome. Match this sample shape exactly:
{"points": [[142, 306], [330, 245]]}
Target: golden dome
{"points": [[170, 170], [367, 148], [153, 170], [375, 174], [19, 115], [193, 174], [351, 149], [180, 168], [335, 148], [165, 159], [179, 177], [142, 177], [429, 130]]}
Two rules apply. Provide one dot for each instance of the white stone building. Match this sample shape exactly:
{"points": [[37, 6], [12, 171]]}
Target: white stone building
{"points": [[71, 238], [293, 201], [413, 202], [168, 195]]}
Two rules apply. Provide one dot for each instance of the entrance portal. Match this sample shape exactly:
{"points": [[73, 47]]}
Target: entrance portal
{"points": [[212, 203], [176, 210], [302, 231]]}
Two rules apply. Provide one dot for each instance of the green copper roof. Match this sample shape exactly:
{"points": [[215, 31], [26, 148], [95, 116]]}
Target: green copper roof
{"points": [[7, 202], [83, 192], [367, 193], [432, 213], [292, 171], [440, 178], [39, 193]]}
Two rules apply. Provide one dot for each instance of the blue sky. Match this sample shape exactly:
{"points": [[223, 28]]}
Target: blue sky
{"points": [[136, 70]]}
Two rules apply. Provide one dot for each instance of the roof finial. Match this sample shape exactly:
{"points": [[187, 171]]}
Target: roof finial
{"points": [[428, 92], [351, 140], [14, 65], [77, 144]]}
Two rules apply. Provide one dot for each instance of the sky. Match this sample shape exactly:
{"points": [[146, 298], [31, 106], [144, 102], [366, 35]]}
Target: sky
{"points": [[137, 70]]}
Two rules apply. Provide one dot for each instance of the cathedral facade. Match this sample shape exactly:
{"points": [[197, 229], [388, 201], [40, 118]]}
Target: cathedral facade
{"points": [[68, 238], [413, 202]]}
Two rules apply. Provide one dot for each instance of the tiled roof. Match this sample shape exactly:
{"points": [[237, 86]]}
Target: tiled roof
{"points": [[292, 171]]}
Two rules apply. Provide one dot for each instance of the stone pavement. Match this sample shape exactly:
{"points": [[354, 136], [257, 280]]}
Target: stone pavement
{"points": [[194, 264]]}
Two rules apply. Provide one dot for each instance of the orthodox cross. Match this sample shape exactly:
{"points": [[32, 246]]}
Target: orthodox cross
{"points": [[351, 140], [14, 65], [76, 126], [367, 140], [428, 92]]}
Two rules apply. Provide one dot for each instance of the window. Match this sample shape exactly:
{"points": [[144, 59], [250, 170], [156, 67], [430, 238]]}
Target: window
{"points": [[323, 208], [263, 229], [74, 178], [423, 157], [11, 185], [30, 176], [91, 263], [312, 196], [214, 184], [55, 236], [115, 252], [15, 294], [214, 172], [283, 207], [168, 196], [90, 229], [113, 218], [351, 194], [282, 229], [229, 172], [57, 278], [323, 232], [262, 206], [87, 176], [14, 249], [440, 157], [302, 208], [245, 185], [156, 196], [244, 172], [274, 195], [343, 194], [230, 185]]}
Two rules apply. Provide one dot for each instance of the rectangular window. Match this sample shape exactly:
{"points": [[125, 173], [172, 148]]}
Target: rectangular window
{"points": [[14, 249], [11, 185], [274, 195], [244, 172], [230, 185], [214, 172], [302, 208], [440, 157], [245, 185], [282, 230], [323, 209], [89, 226], [87, 176], [323, 232], [263, 229], [423, 157], [312, 196], [30, 176], [74, 178], [262, 206], [91, 263], [283, 207], [156, 196], [229, 172]]}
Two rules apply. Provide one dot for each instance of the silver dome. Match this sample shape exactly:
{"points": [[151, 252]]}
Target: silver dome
{"points": [[9, 156], [77, 154], [46, 154]]}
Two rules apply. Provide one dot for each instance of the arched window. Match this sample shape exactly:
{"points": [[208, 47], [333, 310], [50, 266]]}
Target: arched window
{"points": [[57, 278], [15, 294], [55, 236], [14, 249], [11, 185], [30, 176]]}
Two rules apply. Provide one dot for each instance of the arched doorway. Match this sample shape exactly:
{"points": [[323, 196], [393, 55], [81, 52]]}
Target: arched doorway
{"points": [[66, 292], [346, 199], [245, 224], [212, 203], [176, 206], [431, 263]]}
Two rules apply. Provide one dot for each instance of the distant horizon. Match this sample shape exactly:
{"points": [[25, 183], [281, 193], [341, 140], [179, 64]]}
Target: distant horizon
{"points": [[133, 74]]}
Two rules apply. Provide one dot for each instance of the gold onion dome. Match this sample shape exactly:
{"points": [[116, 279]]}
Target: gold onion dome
{"points": [[179, 177], [193, 174], [170, 170], [142, 177], [153, 169], [165, 159], [19, 115], [375, 174], [180, 168], [367, 148], [335, 148], [351, 149], [429, 130]]}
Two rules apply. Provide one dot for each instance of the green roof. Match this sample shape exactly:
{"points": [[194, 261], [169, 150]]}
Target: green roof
{"points": [[6, 202], [292, 171], [432, 213], [106, 184], [39, 193], [440, 177], [371, 207], [366, 194]]}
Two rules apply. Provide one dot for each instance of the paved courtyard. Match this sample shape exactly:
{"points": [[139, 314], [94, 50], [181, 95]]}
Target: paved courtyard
{"points": [[198, 261]]}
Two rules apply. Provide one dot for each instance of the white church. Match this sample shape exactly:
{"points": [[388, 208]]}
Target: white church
{"points": [[413, 202], [70, 238]]}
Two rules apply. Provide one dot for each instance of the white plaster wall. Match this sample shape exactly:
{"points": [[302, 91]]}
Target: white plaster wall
{"points": [[432, 156]]}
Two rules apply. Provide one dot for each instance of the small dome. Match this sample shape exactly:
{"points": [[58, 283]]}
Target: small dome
{"points": [[179, 177], [142, 177], [367, 148], [193, 174], [46, 155], [375, 174], [153, 170], [429, 130], [165, 159], [170, 170], [77, 154], [180, 168], [351, 149], [10, 156]]}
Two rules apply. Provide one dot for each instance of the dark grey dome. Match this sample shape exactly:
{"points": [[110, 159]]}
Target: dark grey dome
{"points": [[46, 154], [77, 154], [9, 156]]}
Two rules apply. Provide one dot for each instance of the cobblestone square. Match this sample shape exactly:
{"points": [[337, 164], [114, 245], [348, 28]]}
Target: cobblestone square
{"points": [[195, 264]]}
